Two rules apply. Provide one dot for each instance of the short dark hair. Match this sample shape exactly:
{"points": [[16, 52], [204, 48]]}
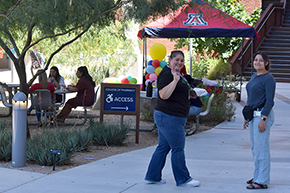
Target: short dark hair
{"points": [[265, 58]]}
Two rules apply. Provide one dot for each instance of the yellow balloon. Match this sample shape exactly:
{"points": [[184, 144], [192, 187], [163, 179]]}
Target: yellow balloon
{"points": [[158, 70], [157, 51]]}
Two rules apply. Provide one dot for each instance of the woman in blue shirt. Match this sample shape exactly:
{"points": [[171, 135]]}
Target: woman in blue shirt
{"points": [[261, 92]]}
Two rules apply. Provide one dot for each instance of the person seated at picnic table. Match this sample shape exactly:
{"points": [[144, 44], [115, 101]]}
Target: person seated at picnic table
{"points": [[195, 104], [43, 84], [57, 80], [85, 93]]}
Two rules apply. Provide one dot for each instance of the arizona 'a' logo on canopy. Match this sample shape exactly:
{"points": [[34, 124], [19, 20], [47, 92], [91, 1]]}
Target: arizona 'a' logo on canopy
{"points": [[195, 20]]}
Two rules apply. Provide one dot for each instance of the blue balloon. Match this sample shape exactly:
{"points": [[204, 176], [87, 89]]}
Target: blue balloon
{"points": [[129, 77], [150, 62], [150, 69]]}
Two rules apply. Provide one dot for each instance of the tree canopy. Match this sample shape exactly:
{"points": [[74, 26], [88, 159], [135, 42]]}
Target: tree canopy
{"points": [[26, 23]]}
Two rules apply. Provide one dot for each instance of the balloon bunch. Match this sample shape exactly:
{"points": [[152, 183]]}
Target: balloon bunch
{"points": [[157, 52], [122, 80]]}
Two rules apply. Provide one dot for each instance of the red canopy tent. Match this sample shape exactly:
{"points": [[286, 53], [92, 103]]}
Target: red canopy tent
{"points": [[200, 20], [193, 20]]}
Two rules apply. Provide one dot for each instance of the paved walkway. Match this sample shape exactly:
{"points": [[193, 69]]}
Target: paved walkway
{"points": [[220, 158]]}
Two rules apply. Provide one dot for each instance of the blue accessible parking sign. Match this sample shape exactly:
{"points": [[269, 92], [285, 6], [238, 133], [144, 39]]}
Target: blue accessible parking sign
{"points": [[120, 99]]}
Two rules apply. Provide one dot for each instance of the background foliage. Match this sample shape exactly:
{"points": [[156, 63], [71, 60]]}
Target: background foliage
{"points": [[224, 47]]}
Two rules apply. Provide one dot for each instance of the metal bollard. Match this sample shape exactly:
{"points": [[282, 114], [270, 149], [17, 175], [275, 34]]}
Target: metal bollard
{"points": [[19, 126]]}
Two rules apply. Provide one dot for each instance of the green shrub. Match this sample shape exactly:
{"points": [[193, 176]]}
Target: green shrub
{"points": [[221, 109], [146, 115], [37, 148], [104, 134], [200, 68], [5, 143], [218, 69]]}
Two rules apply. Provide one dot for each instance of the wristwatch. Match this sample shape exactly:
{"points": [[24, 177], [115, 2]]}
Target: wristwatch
{"points": [[264, 118]]}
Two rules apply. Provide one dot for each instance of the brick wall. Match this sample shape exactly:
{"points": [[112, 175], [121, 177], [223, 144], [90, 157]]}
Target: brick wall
{"points": [[250, 5]]}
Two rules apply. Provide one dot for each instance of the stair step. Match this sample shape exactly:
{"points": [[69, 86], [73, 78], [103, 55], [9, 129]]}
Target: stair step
{"points": [[277, 79], [277, 36], [276, 30], [278, 52], [270, 48], [280, 62], [279, 71], [279, 57], [277, 45], [280, 75], [275, 68], [273, 44], [275, 40]]}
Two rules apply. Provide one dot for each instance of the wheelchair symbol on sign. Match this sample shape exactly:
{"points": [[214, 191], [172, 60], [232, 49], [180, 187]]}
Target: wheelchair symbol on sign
{"points": [[109, 98]]}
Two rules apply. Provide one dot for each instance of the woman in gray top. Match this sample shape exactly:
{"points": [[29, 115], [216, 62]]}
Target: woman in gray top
{"points": [[261, 92]]}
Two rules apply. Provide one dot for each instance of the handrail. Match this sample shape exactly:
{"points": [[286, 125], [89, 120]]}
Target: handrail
{"points": [[238, 55], [284, 5], [263, 26]]}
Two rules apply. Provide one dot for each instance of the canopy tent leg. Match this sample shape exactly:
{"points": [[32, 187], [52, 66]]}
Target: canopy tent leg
{"points": [[190, 58], [241, 78], [144, 63]]}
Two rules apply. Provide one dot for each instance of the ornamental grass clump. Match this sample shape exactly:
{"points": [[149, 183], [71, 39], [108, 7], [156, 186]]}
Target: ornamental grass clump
{"points": [[5, 143], [37, 148], [104, 134]]}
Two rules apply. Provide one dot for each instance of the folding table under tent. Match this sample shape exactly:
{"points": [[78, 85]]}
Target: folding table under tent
{"points": [[194, 19]]}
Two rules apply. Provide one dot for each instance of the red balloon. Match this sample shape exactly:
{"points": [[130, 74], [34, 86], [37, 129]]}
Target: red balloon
{"points": [[125, 81], [156, 63], [147, 76]]}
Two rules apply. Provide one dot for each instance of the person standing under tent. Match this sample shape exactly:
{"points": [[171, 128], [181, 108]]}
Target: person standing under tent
{"points": [[170, 115]]}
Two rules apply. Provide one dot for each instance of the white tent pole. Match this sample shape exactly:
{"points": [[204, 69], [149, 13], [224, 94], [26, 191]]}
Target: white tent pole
{"points": [[144, 62], [190, 59]]}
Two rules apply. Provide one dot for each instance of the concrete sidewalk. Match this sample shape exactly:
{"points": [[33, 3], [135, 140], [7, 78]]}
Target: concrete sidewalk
{"points": [[219, 158]]}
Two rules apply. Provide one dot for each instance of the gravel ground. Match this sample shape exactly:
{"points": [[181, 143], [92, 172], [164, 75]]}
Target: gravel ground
{"points": [[146, 138]]}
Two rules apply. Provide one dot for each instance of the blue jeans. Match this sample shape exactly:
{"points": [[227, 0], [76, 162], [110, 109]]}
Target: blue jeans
{"points": [[37, 112], [171, 137], [261, 149], [193, 110]]}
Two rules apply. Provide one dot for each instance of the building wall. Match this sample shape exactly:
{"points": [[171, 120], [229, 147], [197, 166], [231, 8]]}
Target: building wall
{"points": [[250, 5]]}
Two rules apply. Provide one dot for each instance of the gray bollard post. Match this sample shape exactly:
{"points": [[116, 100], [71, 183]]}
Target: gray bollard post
{"points": [[19, 126]]}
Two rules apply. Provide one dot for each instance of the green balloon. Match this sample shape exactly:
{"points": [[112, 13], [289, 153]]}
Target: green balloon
{"points": [[162, 64], [132, 81]]}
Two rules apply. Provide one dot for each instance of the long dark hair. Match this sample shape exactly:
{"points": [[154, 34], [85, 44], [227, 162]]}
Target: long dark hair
{"points": [[175, 53], [86, 75], [265, 58], [57, 77]]}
